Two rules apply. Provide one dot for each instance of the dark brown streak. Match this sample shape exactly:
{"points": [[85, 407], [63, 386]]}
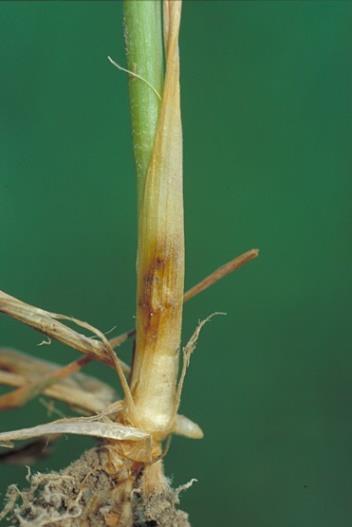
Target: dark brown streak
{"points": [[214, 277], [154, 303]]}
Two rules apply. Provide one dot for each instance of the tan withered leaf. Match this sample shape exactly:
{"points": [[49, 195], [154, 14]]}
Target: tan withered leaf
{"points": [[79, 390], [78, 426], [49, 324]]}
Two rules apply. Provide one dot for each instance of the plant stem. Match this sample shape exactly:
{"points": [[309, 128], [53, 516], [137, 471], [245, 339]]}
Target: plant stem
{"points": [[160, 260], [144, 49]]}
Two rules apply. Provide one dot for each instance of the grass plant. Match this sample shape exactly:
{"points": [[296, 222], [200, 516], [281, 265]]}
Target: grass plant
{"points": [[121, 481]]}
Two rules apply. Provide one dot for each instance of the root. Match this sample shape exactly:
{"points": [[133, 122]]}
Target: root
{"points": [[101, 489]]}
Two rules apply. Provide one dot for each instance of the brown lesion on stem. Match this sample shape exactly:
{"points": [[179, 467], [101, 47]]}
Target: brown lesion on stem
{"points": [[158, 325], [156, 299], [208, 281]]}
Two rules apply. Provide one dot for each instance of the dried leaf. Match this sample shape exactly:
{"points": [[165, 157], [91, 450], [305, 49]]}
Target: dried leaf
{"points": [[187, 353], [48, 323], [79, 426], [80, 390]]}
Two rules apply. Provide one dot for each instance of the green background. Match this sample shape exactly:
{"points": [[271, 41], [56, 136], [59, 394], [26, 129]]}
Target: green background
{"points": [[266, 95]]}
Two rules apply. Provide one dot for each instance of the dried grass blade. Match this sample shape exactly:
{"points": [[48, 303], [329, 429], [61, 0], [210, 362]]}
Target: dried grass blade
{"points": [[79, 391], [47, 323], [77, 426], [220, 273], [30, 390]]}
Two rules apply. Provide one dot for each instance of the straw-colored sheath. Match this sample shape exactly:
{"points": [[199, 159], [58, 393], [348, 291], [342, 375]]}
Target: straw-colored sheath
{"points": [[160, 266]]}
